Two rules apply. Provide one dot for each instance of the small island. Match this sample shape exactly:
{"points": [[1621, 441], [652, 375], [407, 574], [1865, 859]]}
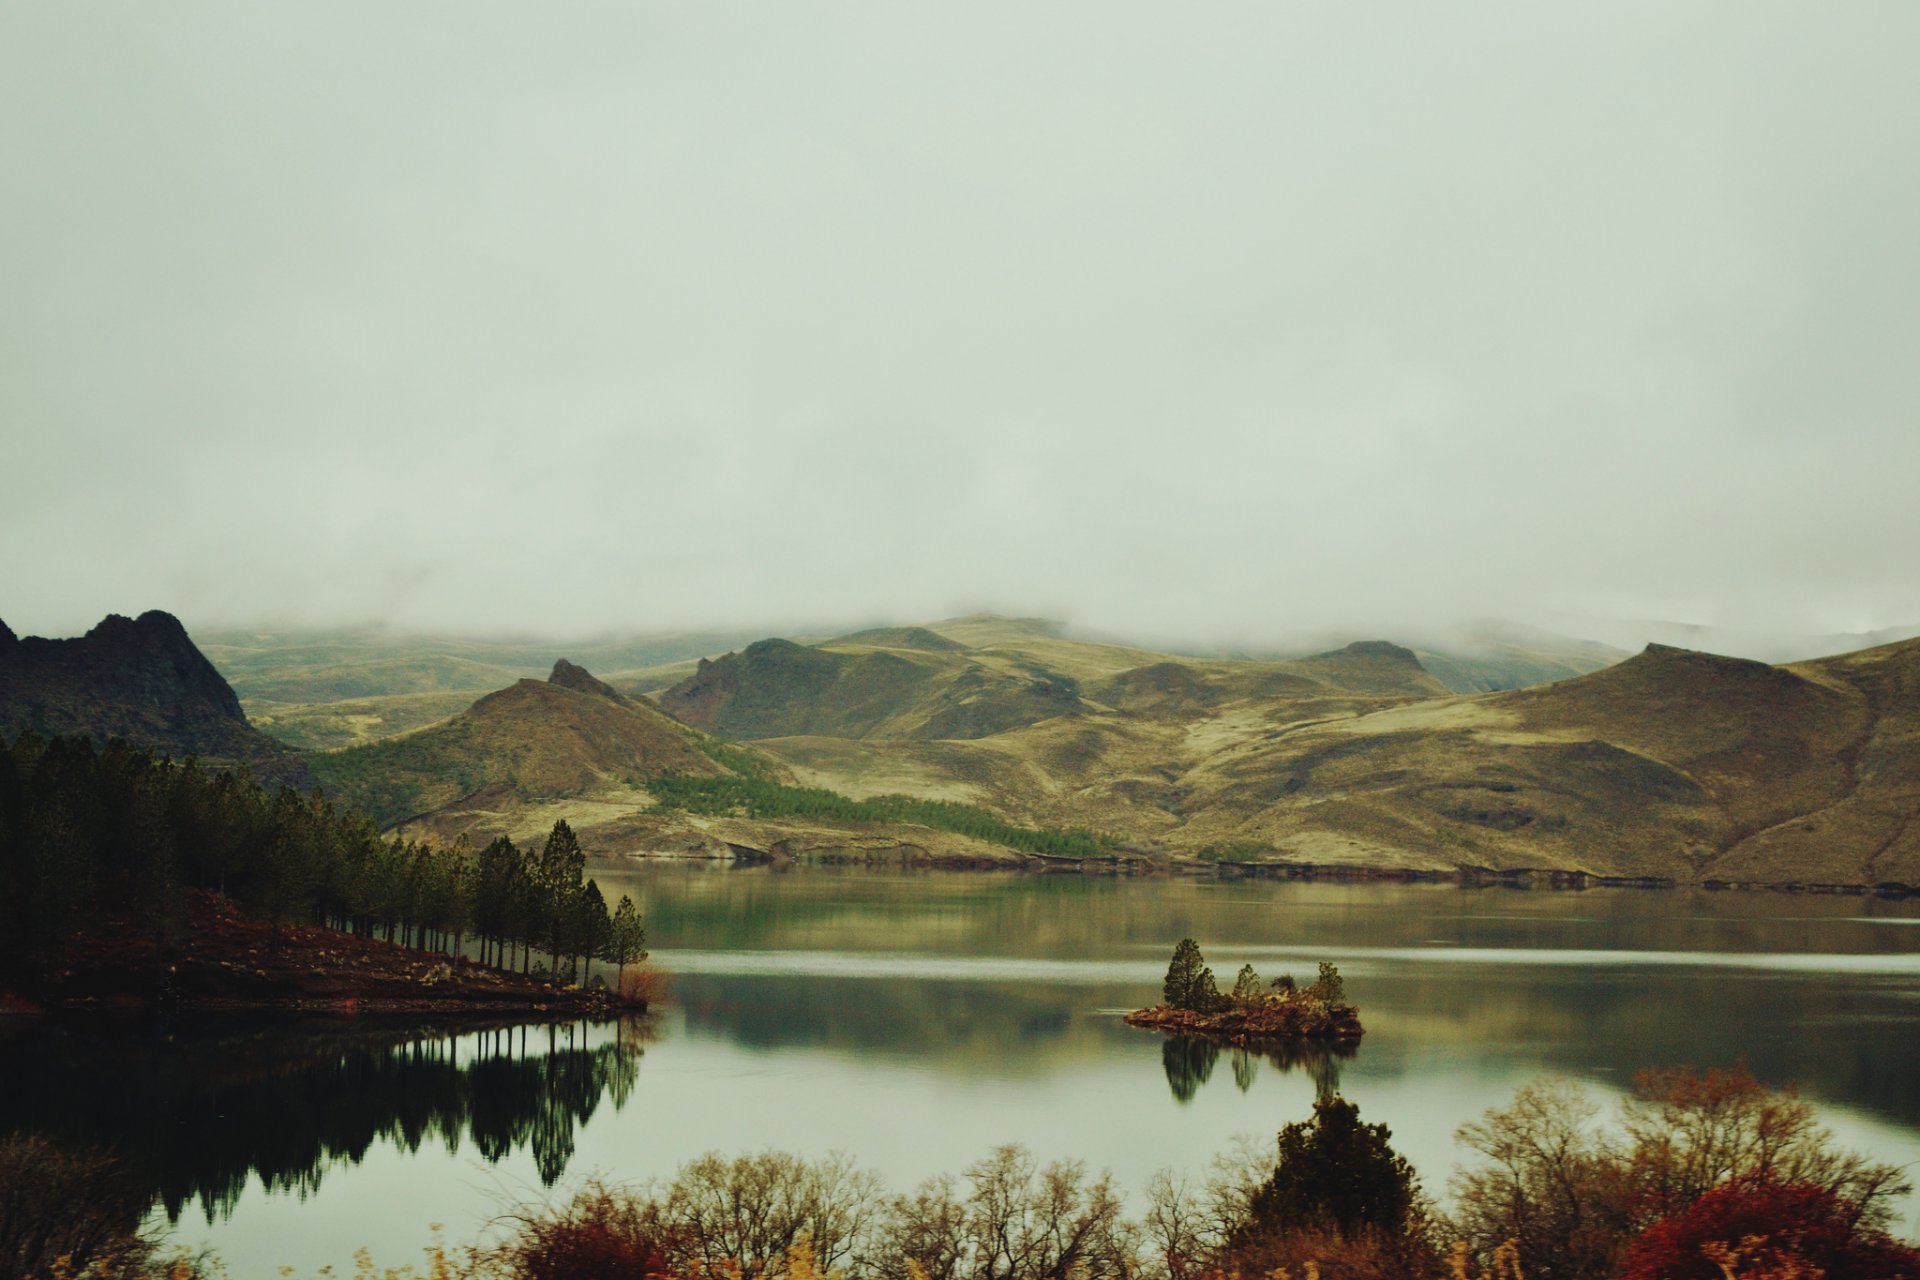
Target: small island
{"points": [[1194, 1006]]}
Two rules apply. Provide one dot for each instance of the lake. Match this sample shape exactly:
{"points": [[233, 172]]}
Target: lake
{"points": [[915, 1020]]}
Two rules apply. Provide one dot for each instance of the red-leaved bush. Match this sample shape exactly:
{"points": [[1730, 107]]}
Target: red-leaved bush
{"points": [[1759, 1228]]}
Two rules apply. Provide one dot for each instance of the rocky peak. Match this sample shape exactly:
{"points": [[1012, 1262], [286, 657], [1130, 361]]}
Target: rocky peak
{"points": [[568, 675], [137, 678]]}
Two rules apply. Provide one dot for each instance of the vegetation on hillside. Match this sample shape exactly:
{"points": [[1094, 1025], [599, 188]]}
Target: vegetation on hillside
{"points": [[761, 797]]}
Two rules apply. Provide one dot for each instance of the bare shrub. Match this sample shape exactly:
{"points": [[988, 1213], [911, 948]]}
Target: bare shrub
{"points": [[749, 1212], [1016, 1221]]}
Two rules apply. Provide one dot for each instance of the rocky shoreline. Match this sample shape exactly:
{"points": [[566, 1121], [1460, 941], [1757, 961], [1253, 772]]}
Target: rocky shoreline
{"points": [[1241, 1023]]}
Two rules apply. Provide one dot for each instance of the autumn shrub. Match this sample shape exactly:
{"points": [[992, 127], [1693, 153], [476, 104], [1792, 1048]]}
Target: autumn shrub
{"points": [[601, 1234], [642, 986], [1572, 1192], [1760, 1227]]}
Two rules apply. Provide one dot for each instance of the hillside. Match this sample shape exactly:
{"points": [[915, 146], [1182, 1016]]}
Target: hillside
{"points": [[775, 688], [318, 690], [1673, 764], [976, 677], [141, 679], [321, 690], [533, 741]]}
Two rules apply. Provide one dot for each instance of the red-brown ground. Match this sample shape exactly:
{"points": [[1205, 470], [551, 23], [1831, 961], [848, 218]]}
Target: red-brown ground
{"points": [[226, 961]]}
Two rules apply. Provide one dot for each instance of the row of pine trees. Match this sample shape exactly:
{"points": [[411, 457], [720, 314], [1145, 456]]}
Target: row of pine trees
{"points": [[121, 834]]}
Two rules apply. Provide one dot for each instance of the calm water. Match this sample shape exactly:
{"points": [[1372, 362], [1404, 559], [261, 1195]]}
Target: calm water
{"points": [[915, 1020]]}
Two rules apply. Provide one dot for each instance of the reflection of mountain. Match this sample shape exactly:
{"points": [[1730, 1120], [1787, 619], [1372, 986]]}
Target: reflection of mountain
{"points": [[1189, 1062], [194, 1116]]}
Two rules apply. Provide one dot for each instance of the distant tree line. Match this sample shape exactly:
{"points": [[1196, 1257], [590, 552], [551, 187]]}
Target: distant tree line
{"points": [[761, 797], [119, 835]]}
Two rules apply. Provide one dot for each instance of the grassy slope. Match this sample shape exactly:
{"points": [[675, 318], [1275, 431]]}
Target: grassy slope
{"points": [[1672, 764], [527, 742], [352, 722], [321, 690]]}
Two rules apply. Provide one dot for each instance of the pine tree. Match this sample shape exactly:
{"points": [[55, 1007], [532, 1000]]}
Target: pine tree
{"points": [[626, 940], [1189, 983], [558, 880], [1335, 1174]]}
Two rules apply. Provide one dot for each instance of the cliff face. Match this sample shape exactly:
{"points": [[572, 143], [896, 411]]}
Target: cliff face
{"points": [[141, 679]]}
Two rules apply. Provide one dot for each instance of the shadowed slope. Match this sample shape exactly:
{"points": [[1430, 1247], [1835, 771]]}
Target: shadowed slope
{"points": [[140, 679], [775, 688]]}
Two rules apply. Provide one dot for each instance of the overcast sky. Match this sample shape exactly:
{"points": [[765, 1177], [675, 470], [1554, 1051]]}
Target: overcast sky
{"points": [[1227, 319]]}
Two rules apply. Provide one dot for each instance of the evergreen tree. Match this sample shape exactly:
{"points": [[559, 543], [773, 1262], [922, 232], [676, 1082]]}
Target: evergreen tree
{"points": [[626, 940], [1335, 1174], [557, 880], [1189, 983], [589, 926]]}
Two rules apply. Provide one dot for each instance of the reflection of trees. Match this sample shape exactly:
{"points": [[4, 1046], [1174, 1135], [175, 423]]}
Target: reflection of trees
{"points": [[1189, 1061], [193, 1119]]}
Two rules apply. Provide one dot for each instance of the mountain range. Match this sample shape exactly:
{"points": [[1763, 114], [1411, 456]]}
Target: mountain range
{"points": [[1671, 764]]}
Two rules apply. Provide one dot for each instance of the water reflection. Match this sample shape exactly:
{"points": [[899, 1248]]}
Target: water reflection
{"points": [[1601, 983], [914, 1020], [1189, 1062], [194, 1114]]}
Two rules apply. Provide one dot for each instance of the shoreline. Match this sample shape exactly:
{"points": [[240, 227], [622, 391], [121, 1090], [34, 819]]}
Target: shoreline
{"points": [[1273, 1021], [1122, 864], [227, 963]]}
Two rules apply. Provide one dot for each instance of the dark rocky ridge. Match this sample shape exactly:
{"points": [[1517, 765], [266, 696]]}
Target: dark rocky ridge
{"points": [[141, 679], [580, 680]]}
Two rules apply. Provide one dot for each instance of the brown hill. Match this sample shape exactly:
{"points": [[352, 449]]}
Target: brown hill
{"points": [[533, 741], [141, 679], [1673, 764], [568, 676]]}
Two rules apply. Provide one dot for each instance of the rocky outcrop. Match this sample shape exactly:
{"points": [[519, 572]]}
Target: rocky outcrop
{"points": [[141, 679], [580, 680]]}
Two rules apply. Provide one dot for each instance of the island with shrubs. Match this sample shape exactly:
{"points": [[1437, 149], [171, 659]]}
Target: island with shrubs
{"points": [[1193, 1005]]}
